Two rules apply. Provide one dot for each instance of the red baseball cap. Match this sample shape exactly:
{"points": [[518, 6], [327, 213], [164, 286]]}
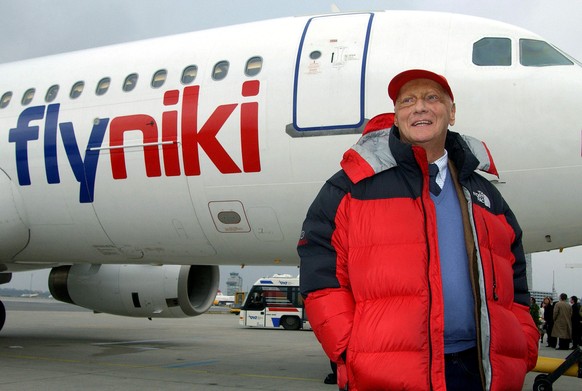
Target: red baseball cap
{"points": [[412, 74]]}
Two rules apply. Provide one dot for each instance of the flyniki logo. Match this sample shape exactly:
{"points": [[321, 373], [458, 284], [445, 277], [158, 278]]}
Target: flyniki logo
{"points": [[195, 135]]}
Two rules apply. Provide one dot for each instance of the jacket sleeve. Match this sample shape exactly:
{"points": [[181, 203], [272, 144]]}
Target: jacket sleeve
{"points": [[329, 303], [521, 293], [531, 332]]}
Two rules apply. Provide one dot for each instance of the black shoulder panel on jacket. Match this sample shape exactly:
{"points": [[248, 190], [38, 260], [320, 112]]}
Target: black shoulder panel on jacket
{"points": [[485, 194], [318, 256]]}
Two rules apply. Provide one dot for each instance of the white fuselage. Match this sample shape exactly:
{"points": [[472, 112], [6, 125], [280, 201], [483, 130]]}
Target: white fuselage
{"points": [[223, 171]]}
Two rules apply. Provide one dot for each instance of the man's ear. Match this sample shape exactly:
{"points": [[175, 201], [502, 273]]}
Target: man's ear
{"points": [[452, 117]]}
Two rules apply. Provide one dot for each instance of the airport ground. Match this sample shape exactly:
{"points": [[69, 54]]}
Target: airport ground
{"points": [[46, 345]]}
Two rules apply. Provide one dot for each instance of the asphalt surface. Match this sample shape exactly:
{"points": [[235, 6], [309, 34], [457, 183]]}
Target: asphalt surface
{"points": [[46, 345]]}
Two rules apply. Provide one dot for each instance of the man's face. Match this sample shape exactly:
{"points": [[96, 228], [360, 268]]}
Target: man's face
{"points": [[423, 113]]}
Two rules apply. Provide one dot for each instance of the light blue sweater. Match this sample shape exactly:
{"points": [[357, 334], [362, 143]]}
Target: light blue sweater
{"points": [[460, 333]]}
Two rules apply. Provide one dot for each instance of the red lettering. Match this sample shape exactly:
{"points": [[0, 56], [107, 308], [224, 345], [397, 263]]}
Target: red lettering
{"points": [[170, 134], [193, 137], [206, 137], [149, 129], [249, 129]]}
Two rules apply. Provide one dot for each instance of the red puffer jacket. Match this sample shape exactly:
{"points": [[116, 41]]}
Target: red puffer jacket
{"points": [[370, 269]]}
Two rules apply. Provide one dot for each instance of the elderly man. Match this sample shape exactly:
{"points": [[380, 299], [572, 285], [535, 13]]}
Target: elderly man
{"points": [[413, 283]]}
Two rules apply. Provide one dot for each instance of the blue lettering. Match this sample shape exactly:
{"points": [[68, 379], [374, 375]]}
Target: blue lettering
{"points": [[20, 135], [50, 144], [85, 170]]}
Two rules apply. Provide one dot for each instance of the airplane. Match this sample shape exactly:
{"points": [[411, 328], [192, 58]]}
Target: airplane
{"points": [[133, 171], [221, 299]]}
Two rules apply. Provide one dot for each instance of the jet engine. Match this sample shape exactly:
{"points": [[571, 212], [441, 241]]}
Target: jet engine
{"points": [[168, 291]]}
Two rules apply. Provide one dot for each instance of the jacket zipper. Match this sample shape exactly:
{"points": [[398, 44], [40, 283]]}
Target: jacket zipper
{"points": [[493, 274], [428, 263], [495, 297], [479, 300]]}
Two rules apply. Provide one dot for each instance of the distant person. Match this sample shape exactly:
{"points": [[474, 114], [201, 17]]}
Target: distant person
{"points": [[542, 323], [576, 322], [534, 311], [563, 323], [548, 306], [412, 263], [257, 301], [542, 326]]}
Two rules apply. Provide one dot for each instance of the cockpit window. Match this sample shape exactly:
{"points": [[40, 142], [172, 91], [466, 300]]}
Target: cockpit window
{"points": [[492, 52], [534, 53]]}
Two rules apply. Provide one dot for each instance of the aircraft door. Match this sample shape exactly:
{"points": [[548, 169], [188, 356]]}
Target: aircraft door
{"points": [[330, 72]]}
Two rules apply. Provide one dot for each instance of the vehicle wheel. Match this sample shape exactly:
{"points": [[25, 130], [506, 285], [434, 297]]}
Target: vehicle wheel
{"points": [[2, 315], [541, 383], [290, 323]]}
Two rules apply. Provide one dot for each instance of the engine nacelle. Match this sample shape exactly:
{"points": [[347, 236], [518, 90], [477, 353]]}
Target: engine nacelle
{"points": [[168, 291]]}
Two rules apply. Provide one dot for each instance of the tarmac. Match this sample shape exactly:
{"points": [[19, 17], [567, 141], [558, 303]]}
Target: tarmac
{"points": [[47, 345]]}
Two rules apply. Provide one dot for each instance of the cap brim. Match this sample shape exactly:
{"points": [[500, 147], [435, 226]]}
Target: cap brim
{"points": [[404, 77]]}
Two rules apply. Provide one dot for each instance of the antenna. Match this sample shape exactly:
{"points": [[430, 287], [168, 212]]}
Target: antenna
{"points": [[554, 293]]}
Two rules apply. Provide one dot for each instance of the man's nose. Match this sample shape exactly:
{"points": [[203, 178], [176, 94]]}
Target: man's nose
{"points": [[420, 105]]}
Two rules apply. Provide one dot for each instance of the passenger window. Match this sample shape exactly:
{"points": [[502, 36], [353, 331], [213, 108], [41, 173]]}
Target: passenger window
{"points": [[254, 66], [159, 78], [189, 74], [77, 89], [27, 97], [51, 93], [103, 86], [533, 53], [220, 70], [130, 82], [492, 52], [5, 101]]}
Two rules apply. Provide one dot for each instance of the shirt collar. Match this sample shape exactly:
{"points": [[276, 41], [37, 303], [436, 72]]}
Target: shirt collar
{"points": [[442, 164]]}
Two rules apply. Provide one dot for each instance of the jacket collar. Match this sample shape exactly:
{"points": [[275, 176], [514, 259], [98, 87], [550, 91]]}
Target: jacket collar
{"points": [[381, 150]]}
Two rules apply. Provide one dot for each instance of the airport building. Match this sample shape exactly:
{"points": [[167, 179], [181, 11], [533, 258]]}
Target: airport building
{"points": [[539, 296], [234, 284]]}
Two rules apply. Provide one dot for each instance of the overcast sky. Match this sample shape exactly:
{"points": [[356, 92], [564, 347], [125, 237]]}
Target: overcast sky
{"points": [[32, 28]]}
